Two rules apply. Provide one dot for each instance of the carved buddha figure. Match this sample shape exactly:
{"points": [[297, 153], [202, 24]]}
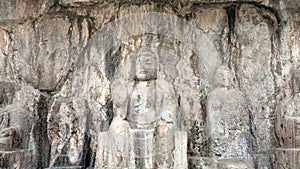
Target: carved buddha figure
{"points": [[287, 124], [145, 111], [228, 119], [9, 130], [144, 100], [15, 121]]}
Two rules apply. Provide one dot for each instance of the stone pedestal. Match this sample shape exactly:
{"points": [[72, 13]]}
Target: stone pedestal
{"points": [[19, 159], [235, 163], [202, 162], [227, 163], [106, 157], [287, 158]]}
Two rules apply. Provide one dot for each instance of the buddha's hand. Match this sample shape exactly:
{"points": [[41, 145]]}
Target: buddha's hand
{"points": [[119, 135], [119, 125], [6, 138], [163, 128], [7, 132]]}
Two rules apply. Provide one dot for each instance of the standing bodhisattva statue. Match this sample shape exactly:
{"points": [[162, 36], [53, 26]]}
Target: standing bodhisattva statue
{"points": [[142, 131], [228, 123]]}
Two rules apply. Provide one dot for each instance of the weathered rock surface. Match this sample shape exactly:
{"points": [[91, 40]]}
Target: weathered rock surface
{"points": [[23, 10], [18, 159], [67, 70]]}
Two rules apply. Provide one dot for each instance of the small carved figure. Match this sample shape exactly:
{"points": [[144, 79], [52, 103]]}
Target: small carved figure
{"points": [[9, 128], [288, 117], [16, 120], [18, 109], [228, 119], [287, 127]]}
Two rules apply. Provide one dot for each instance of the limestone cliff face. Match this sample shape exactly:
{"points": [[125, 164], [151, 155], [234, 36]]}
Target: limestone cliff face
{"points": [[60, 61]]}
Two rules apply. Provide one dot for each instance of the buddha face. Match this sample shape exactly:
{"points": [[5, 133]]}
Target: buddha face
{"points": [[146, 66], [223, 77]]}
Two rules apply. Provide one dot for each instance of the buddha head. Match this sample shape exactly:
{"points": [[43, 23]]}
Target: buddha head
{"points": [[146, 66], [223, 77]]}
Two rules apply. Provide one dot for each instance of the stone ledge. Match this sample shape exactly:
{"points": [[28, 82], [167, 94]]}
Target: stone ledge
{"points": [[236, 163], [202, 162], [226, 163]]}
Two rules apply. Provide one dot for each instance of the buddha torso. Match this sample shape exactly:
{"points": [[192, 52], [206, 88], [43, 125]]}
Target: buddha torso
{"points": [[143, 107]]}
